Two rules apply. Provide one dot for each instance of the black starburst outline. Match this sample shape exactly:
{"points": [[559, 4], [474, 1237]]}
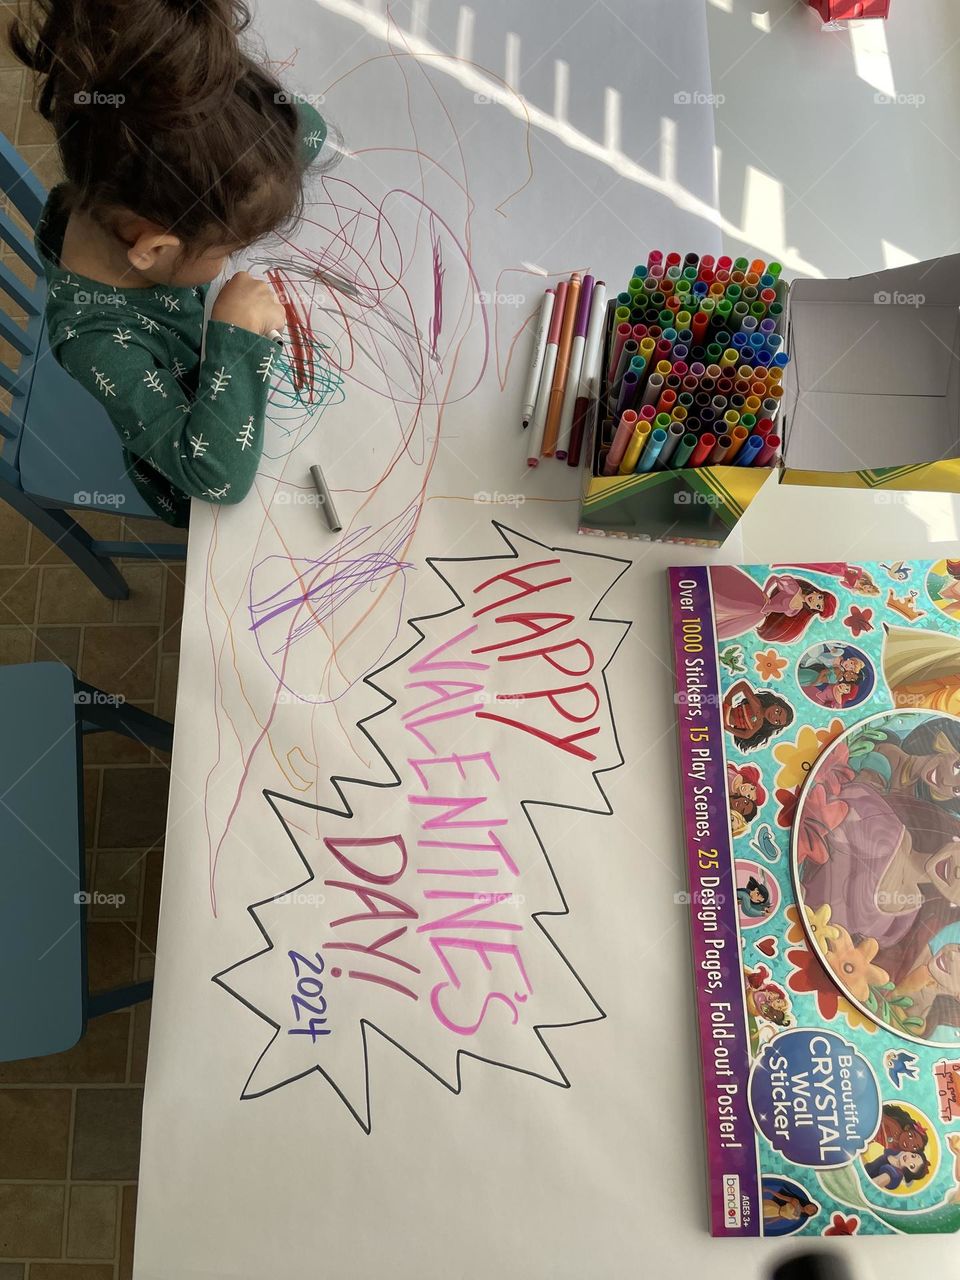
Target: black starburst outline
{"points": [[366, 1123]]}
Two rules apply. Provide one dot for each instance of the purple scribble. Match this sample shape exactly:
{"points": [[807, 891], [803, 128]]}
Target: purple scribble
{"points": [[317, 590]]}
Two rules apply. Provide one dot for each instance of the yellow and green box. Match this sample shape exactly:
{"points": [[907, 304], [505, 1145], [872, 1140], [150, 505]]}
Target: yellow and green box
{"points": [[694, 505], [871, 401]]}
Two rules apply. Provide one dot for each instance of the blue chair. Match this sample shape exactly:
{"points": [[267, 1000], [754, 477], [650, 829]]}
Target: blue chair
{"points": [[61, 451], [44, 1000]]}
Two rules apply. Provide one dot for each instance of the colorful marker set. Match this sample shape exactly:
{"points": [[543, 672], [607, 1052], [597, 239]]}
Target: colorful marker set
{"points": [[695, 365], [565, 373]]}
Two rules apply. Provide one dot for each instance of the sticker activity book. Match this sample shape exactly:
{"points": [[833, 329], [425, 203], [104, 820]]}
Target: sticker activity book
{"points": [[819, 710]]}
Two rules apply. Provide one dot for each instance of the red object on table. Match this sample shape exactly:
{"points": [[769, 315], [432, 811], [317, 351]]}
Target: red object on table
{"points": [[845, 10]]}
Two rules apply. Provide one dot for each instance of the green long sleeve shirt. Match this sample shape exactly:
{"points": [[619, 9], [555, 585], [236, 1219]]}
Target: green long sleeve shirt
{"points": [[190, 428]]}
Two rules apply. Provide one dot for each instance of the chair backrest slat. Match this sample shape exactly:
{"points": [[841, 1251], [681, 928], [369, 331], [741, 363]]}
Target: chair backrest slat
{"points": [[19, 183], [29, 298], [27, 195], [16, 381], [20, 243], [21, 340]]}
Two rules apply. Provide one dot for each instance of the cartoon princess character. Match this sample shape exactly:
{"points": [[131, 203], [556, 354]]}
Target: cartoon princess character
{"points": [[753, 898], [852, 576], [781, 1201], [945, 590], [765, 999], [835, 694], [933, 985], [745, 796], [830, 664], [832, 675], [779, 611], [899, 1131], [753, 716], [894, 1167], [922, 668], [944, 1218], [887, 828]]}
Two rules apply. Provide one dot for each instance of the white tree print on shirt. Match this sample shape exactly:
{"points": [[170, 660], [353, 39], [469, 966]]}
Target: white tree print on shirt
{"points": [[265, 367], [217, 494], [170, 302], [152, 380], [221, 380], [198, 445], [104, 384], [179, 368], [245, 438], [122, 337]]}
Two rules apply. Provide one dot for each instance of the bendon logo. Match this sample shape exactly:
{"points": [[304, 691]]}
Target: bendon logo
{"points": [[423, 913], [732, 1215]]}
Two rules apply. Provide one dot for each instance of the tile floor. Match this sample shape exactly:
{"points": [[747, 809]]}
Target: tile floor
{"points": [[70, 1124]]}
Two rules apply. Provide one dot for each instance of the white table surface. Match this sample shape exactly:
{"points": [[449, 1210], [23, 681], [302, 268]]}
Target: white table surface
{"points": [[825, 179]]}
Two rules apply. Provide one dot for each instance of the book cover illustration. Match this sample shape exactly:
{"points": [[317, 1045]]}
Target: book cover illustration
{"points": [[819, 712]]}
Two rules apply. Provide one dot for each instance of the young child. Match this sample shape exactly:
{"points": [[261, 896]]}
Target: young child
{"points": [[178, 149]]}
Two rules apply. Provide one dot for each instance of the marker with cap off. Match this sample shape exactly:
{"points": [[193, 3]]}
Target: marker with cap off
{"points": [[539, 350]]}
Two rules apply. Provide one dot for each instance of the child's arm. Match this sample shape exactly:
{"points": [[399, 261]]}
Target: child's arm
{"points": [[209, 447]]}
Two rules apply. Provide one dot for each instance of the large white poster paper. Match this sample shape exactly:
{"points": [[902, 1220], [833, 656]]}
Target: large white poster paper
{"points": [[411, 897]]}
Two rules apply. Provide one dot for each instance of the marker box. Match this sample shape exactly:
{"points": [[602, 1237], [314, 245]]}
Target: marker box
{"points": [[878, 358], [698, 506]]}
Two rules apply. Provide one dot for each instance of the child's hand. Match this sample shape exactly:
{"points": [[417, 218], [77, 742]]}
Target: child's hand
{"points": [[249, 303]]}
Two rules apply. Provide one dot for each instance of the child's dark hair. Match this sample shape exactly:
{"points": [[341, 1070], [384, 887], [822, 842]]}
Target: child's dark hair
{"points": [[159, 110]]}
